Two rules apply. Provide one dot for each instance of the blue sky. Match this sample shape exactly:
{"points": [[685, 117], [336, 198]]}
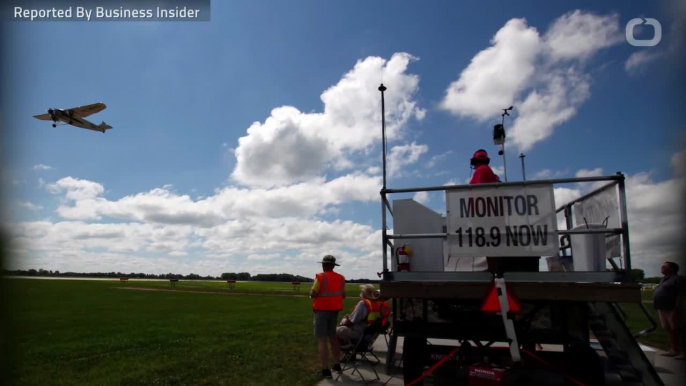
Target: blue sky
{"points": [[180, 95]]}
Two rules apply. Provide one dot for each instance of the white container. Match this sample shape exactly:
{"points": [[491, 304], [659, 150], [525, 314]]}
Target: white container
{"points": [[589, 250], [560, 264]]}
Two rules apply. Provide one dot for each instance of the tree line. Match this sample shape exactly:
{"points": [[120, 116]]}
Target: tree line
{"points": [[245, 276], [242, 276], [280, 277], [49, 273]]}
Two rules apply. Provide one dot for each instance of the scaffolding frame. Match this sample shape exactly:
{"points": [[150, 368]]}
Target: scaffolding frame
{"points": [[618, 275]]}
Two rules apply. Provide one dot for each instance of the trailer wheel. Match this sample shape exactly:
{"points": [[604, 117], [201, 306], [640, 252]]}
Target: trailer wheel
{"points": [[413, 359], [584, 365], [533, 377]]}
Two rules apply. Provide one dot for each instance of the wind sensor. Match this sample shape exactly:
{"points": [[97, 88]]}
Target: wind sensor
{"points": [[499, 137]]}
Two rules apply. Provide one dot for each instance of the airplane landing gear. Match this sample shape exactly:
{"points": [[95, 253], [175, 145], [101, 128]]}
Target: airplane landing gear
{"points": [[54, 125]]}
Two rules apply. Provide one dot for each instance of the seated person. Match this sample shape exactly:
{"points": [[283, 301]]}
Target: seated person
{"points": [[365, 312]]}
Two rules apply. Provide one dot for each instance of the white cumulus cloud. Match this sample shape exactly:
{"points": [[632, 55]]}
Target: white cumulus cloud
{"points": [[497, 74], [437, 159], [639, 60], [421, 197], [29, 205], [589, 173], [541, 75], [404, 155], [291, 146], [163, 206], [580, 34], [76, 189]]}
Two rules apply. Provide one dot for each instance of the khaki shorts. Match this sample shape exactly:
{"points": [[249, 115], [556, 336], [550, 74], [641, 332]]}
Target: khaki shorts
{"points": [[345, 333], [325, 323], [667, 319]]}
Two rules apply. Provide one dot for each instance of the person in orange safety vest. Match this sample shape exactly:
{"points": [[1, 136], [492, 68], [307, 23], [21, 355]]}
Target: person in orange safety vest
{"points": [[327, 293], [368, 310]]}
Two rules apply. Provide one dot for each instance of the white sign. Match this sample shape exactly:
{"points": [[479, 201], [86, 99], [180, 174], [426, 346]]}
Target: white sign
{"points": [[602, 207], [502, 221]]}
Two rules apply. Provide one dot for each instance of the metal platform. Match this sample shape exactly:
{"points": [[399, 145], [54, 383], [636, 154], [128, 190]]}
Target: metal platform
{"points": [[526, 291]]}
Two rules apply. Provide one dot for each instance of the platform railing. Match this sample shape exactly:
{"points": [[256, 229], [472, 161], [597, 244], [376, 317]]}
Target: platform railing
{"points": [[618, 275]]}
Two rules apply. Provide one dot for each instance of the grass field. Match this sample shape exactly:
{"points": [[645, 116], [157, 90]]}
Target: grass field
{"points": [[251, 287], [90, 333], [87, 332], [637, 321]]}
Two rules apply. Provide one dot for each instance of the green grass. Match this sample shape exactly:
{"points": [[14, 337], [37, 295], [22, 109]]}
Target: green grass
{"points": [[647, 295], [89, 333], [637, 321], [251, 287]]}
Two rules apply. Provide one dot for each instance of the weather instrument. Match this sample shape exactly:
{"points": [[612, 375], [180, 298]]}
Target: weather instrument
{"points": [[499, 138]]}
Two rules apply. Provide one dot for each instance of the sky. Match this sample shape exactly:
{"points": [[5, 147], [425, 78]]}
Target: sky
{"points": [[252, 143]]}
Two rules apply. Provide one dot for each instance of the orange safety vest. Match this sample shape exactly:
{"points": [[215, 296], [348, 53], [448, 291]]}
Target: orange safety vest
{"points": [[331, 288], [376, 310]]}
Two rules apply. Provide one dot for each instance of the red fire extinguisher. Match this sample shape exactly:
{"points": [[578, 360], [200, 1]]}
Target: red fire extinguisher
{"points": [[402, 257]]}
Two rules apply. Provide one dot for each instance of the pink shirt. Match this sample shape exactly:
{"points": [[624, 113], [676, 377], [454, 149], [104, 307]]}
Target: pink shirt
{"points": [[483, 175]]}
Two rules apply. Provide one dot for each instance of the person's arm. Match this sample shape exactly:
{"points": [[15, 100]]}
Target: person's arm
{"points": [[343, 281], [385, 309], [314, 291], [475, 177], [345, 322], [360, 313]]}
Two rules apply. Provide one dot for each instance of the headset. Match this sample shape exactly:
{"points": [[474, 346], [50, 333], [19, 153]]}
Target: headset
{"points": [[480, 157]]}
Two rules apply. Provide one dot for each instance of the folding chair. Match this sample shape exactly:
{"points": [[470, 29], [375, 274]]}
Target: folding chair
{"points": [[386, 329], [363, 347]]}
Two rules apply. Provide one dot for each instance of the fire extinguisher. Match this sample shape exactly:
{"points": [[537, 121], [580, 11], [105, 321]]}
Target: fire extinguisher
{"points": [[402, 258]]}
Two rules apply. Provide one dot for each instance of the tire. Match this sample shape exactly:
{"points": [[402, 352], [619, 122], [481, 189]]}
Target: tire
{"points": [[584, 364], [533, 377], [413, 359]]}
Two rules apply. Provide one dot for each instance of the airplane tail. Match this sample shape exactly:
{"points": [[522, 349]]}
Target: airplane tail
{"points": [[104, 126]]}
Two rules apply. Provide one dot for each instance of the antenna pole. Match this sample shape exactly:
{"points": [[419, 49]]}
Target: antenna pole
{"points": [[382, 88], [523, 172], [504, 164], [502, 145]]}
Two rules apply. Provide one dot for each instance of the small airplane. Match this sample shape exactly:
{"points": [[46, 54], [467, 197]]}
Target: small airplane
{"points": [[75, 117]]}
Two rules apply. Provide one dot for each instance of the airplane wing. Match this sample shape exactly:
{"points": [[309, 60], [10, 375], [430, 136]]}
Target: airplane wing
{"points": [[43, 117], [84, 111]]}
